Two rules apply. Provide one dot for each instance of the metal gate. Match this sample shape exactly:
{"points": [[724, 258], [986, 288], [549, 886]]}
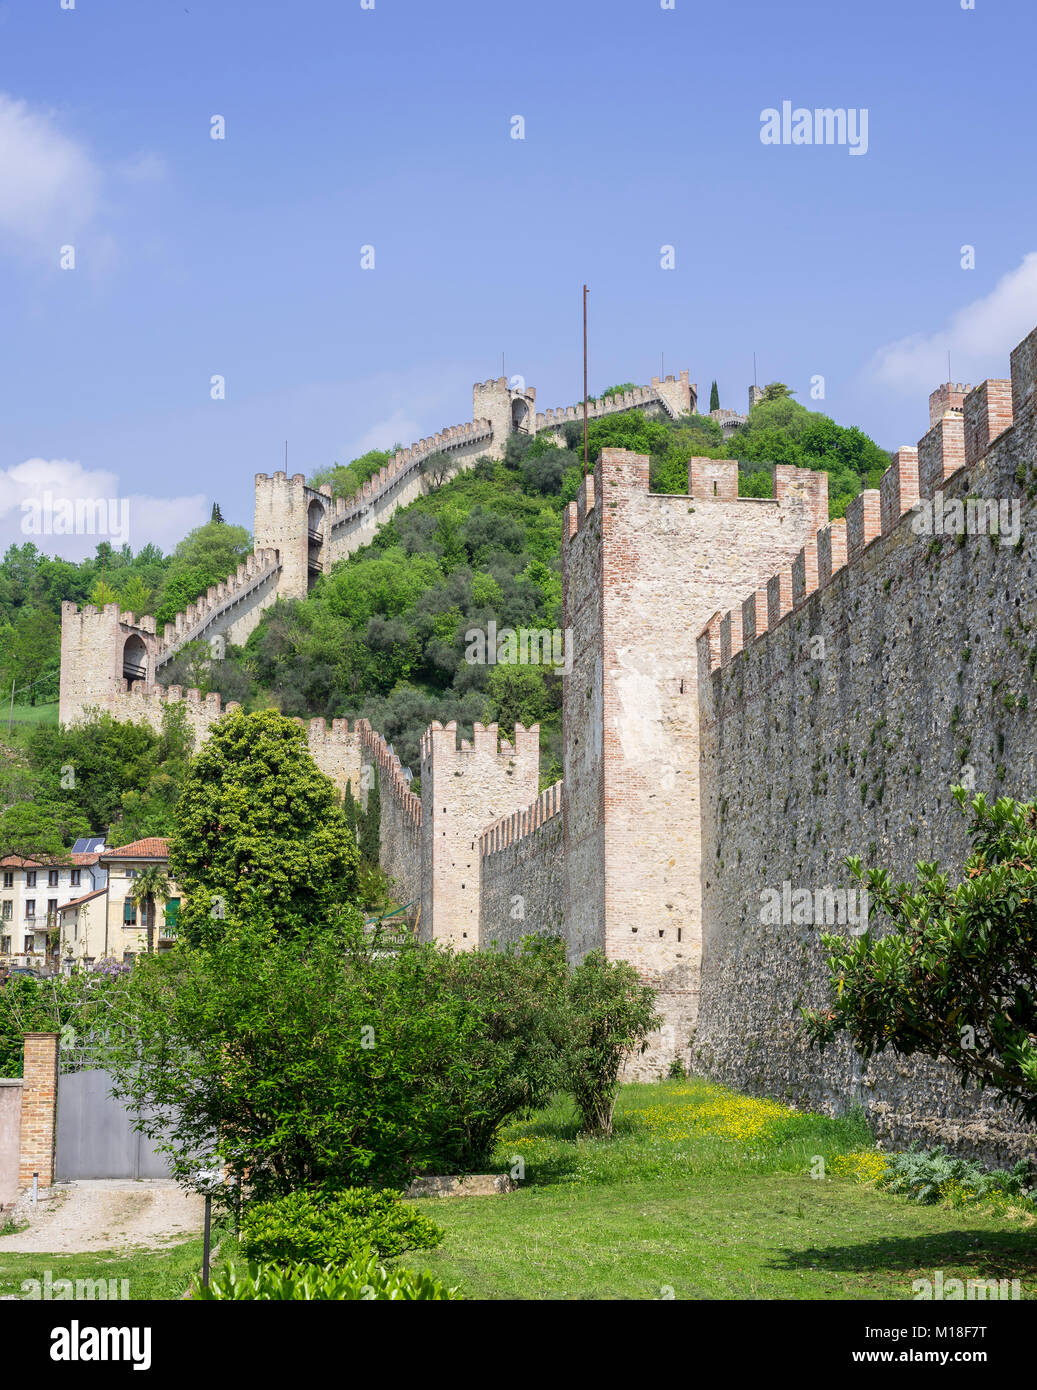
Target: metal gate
{"points": [[95, 1137]]}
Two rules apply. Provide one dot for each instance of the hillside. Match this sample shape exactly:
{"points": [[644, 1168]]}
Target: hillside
{"points": [[383, 635]]}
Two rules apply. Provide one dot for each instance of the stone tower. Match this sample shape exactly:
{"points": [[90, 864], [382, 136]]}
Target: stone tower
{"points": [[508, 410], [101, 651], [641, 574], [293, 519], [463, 788]]}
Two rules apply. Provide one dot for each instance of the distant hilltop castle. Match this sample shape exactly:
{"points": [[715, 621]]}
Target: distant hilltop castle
{"points": [[755, 693]]}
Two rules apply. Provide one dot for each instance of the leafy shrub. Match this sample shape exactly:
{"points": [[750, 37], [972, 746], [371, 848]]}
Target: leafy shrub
{"points": [[609, 1013], [929, 1174], [362, 1279], [333, 1228]]}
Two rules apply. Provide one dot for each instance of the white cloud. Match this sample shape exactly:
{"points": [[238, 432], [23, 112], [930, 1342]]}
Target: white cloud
{"points": [[38, 503], [979, 338], [49, 184]]}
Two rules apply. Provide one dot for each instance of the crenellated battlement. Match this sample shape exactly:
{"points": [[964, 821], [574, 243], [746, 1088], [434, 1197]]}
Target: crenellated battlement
{"points": [[958, 440], [509, 829], [391, 775]]}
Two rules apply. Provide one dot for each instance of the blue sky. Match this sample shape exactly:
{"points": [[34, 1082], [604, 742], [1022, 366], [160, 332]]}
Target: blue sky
{"points": [[391, 127]]}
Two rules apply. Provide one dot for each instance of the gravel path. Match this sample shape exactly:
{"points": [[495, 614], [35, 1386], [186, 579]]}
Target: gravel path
{"points": [[78, 1217]]}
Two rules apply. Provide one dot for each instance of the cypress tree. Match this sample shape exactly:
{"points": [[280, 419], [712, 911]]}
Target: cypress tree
{"points": [[370, 833], [714, 397]]}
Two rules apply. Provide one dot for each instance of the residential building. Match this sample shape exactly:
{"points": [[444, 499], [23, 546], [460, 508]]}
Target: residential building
{"points": [[32, 893]]}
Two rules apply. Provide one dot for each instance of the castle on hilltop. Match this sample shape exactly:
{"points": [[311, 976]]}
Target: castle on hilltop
{"points": [[756, 692]]}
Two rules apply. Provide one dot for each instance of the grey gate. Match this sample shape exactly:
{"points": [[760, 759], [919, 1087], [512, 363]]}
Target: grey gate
{"points": [[95, 1134]]}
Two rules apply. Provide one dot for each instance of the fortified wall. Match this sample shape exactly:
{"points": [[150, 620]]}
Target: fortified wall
{"points": [[300, 532], [892, 659], [755, 693]]}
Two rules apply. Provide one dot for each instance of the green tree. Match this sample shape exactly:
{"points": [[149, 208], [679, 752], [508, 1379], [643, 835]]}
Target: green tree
{"points": [[260, 837], [210, 553], [135, 596], [955, 977], [150, 887], [371, 830], [318, 1060], [714, 397], [777, 391], [40, 830], [102, 594], [610, 1013]]}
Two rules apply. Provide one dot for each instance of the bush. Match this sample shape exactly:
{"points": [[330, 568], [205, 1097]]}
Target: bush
{"points": [[362, 1279], [609, 1014], [333, 1228], [265, 1042], [929, 1174]]}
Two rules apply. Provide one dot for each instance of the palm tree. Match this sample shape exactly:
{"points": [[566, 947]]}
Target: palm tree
{"points": [[151, 882]]}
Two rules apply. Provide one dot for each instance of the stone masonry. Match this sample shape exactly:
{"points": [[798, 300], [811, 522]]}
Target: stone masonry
{"points": [[755, 692]]}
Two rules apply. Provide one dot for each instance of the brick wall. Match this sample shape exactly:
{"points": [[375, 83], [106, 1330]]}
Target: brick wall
{"points": [[39, 1108]]}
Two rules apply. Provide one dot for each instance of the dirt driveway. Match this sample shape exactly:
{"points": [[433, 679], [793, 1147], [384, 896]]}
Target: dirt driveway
{"points": [[78, 1217]]}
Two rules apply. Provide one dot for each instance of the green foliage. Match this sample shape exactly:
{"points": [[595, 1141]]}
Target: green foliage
{"points": [[371, 830], [927, 1175], [320, 1060], [362, 1279], [204, 557], [332, 1228], [780, 430], [111, 774], [347, 479], [260, 837], [609, 1013], [956, 975], [714, 397], [777, 391], [37, 830], [85, 1001]]}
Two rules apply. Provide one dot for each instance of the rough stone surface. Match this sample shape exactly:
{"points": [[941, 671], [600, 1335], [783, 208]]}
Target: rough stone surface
{"points": [[840, 732]]}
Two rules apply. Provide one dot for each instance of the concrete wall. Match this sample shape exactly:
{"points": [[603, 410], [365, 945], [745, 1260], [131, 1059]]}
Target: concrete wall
{"points": [[840, 730], [10, 1134]]}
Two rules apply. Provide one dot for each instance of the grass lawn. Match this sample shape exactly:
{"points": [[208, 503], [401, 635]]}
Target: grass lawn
{"points": [[704, 1194], [30, 714], [701, 1194], [162, 1274]]}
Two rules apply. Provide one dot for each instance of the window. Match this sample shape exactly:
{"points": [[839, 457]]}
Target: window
{"points": [[53, 876], [30, 908], [8, 909], [30, 878], [8, 878], [5, 945], [132, 873], [52, 912], [30, 945], [76, 877], [129, 913]]}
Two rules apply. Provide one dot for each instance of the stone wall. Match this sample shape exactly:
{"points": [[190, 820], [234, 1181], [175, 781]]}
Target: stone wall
{"points": [[906, 666], [641, 573], [523, 881], [400, 820]]}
